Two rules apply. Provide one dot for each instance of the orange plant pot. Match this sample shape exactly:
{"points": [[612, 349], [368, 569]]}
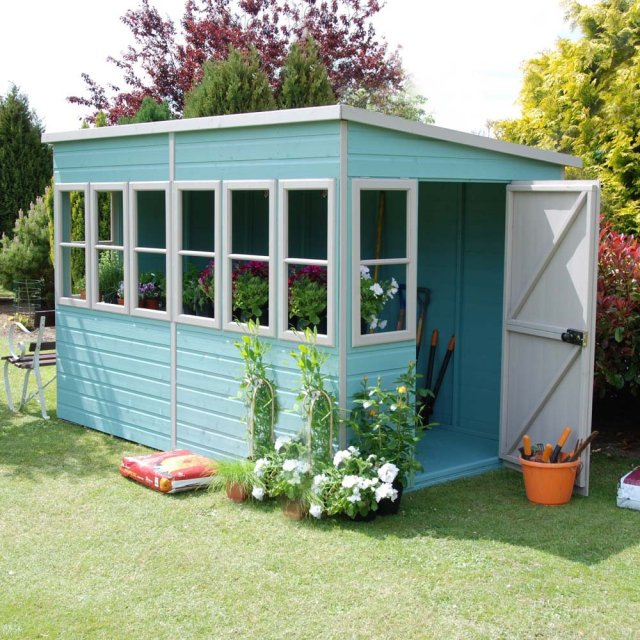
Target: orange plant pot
{"points": [[549, 484]]}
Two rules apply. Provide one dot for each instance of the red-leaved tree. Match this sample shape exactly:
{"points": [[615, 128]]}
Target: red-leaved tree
{"points": [[164, 63], [617, 365]]}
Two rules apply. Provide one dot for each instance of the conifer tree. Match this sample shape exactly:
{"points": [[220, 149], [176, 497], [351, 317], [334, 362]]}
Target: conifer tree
{"points": [[25, 163], [305, 82]]}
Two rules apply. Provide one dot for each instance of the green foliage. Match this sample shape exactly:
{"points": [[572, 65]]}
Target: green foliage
{"points": [[25, 163], [257, 391], [388, 424], [26, 255], [617, 358], [110, 275], [238, 472], [150, 111], [78, 259], [305, 82], [250, 290], [48, 203], [404, 102], [308, 295], [374, 297], [235, 85], [317, 405], [583, 98]]}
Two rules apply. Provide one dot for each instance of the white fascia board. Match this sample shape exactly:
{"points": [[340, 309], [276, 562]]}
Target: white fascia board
{"points": [[257, 119], [317, 114], [457, 137]]}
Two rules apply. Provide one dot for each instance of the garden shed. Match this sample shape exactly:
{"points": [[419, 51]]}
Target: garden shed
{"points": [[161, 228]]}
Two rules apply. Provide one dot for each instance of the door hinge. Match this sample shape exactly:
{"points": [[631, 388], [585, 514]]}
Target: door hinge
{"points": [[573, 336]]}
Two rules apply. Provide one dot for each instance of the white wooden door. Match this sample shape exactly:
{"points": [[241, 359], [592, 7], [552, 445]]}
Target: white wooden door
{"points": [[550, 286]]}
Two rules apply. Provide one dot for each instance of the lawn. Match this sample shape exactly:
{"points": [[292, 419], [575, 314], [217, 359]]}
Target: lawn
{"points": [[85, 553]]}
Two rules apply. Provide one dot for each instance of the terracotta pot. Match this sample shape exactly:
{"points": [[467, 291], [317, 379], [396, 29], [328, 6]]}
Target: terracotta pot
{"points": [[237, 493], [294, 509], [121, 301], [151, 303]]}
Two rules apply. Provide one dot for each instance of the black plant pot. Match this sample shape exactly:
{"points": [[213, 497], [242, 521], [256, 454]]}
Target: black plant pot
{"points": [[388, 507], [366, 518], [205, 310]]}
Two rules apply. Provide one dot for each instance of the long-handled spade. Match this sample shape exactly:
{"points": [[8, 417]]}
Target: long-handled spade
{"points": [[430, 400]]}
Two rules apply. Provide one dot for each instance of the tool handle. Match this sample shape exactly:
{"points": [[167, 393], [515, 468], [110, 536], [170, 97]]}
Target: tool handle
{"points": [[561, 442], [526, 446], [583, 446], [546, 454], [434, 337]]}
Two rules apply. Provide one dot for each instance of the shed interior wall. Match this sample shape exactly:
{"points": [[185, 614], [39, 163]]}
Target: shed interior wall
{"points": [[461, 261]]}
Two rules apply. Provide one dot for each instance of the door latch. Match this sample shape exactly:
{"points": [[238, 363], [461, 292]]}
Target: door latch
{"points": [[573, 336]]}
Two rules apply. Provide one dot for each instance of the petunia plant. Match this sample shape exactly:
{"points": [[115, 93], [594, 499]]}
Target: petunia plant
{"points": [[373, 298]]}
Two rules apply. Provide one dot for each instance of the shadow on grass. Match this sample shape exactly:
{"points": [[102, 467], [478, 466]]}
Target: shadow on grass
{"points": [[494, 507]]}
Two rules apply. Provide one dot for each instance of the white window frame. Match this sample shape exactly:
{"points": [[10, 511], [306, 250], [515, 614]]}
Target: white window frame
{"points": [[134, 188], [97, 188], [178, 252], [248, 185], [409, 261], [284, 186], [60, 189]]}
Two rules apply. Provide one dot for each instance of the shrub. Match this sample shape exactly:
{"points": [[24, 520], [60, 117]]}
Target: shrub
{"points": [[26, 254], [617, 362]]}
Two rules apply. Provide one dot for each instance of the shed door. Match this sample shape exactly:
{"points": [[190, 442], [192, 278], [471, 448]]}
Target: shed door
{"points": [[550, 283]]}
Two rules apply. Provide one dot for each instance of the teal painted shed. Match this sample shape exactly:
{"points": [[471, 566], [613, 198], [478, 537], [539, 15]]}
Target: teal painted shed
{"points": [[505, 246]]}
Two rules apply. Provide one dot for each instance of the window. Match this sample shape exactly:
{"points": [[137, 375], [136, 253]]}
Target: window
{"points": [[72, 230], [109, 233], [384, 266], [307, 261], [149, 235], [196, 247], [249, 250]]}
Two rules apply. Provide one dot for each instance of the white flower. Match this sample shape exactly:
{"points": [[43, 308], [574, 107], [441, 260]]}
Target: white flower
{"points": [[290, 465], [367, 483], [281, 441], [365, 274], [366, 404], [303, 466], [376, 288], [317, 483], [372, 457], [354, 450], [315, 510], [295, 478], [340, 457], [261, 465], [348, 482], [382, 324], [354, 497], [393, 407], [386, 490], [394, 287], [257, 493], [374, 323], [388, 472]]}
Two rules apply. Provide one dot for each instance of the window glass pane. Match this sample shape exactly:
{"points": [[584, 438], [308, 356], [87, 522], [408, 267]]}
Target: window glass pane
{"points": [[110, 277], [198, 220], [198, 287], [151, 219], [72, 215], [382, 298], [383, 224], [307, 230], [73, 272], [307, 300], [250, 222], [110, 222], [250, 291], [152, 283]]}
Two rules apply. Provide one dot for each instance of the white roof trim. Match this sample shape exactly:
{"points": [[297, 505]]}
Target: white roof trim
{"points": [[316, 114]]}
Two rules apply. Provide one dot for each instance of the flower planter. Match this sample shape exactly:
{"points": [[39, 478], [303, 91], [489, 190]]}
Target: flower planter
{"points": [[388, 507], [206, 310], [294, 509], [236, 492], [121, 301], [151, 303], [547, 483], [369, 517]]}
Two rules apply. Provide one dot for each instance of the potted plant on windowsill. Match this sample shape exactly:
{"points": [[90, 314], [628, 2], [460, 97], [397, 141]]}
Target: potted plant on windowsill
{"points": [[189, 290], [120, 293], [308, 298], [205, 293], [150, 289], [250, 292], [110, 275], [373, 299]]}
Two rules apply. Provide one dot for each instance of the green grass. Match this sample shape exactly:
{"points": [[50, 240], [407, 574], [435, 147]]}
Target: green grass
{"points": [[85, 553]]}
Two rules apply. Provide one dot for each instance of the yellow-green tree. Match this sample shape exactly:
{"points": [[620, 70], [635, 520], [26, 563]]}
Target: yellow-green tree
{"points": [[583, 98]]}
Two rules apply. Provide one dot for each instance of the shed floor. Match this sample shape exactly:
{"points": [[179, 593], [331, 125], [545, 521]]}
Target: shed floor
{"points": [[448, 454]]}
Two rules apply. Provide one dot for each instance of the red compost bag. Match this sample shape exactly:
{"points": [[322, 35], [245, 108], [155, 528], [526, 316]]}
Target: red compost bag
{"points": [[169, 471]]}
